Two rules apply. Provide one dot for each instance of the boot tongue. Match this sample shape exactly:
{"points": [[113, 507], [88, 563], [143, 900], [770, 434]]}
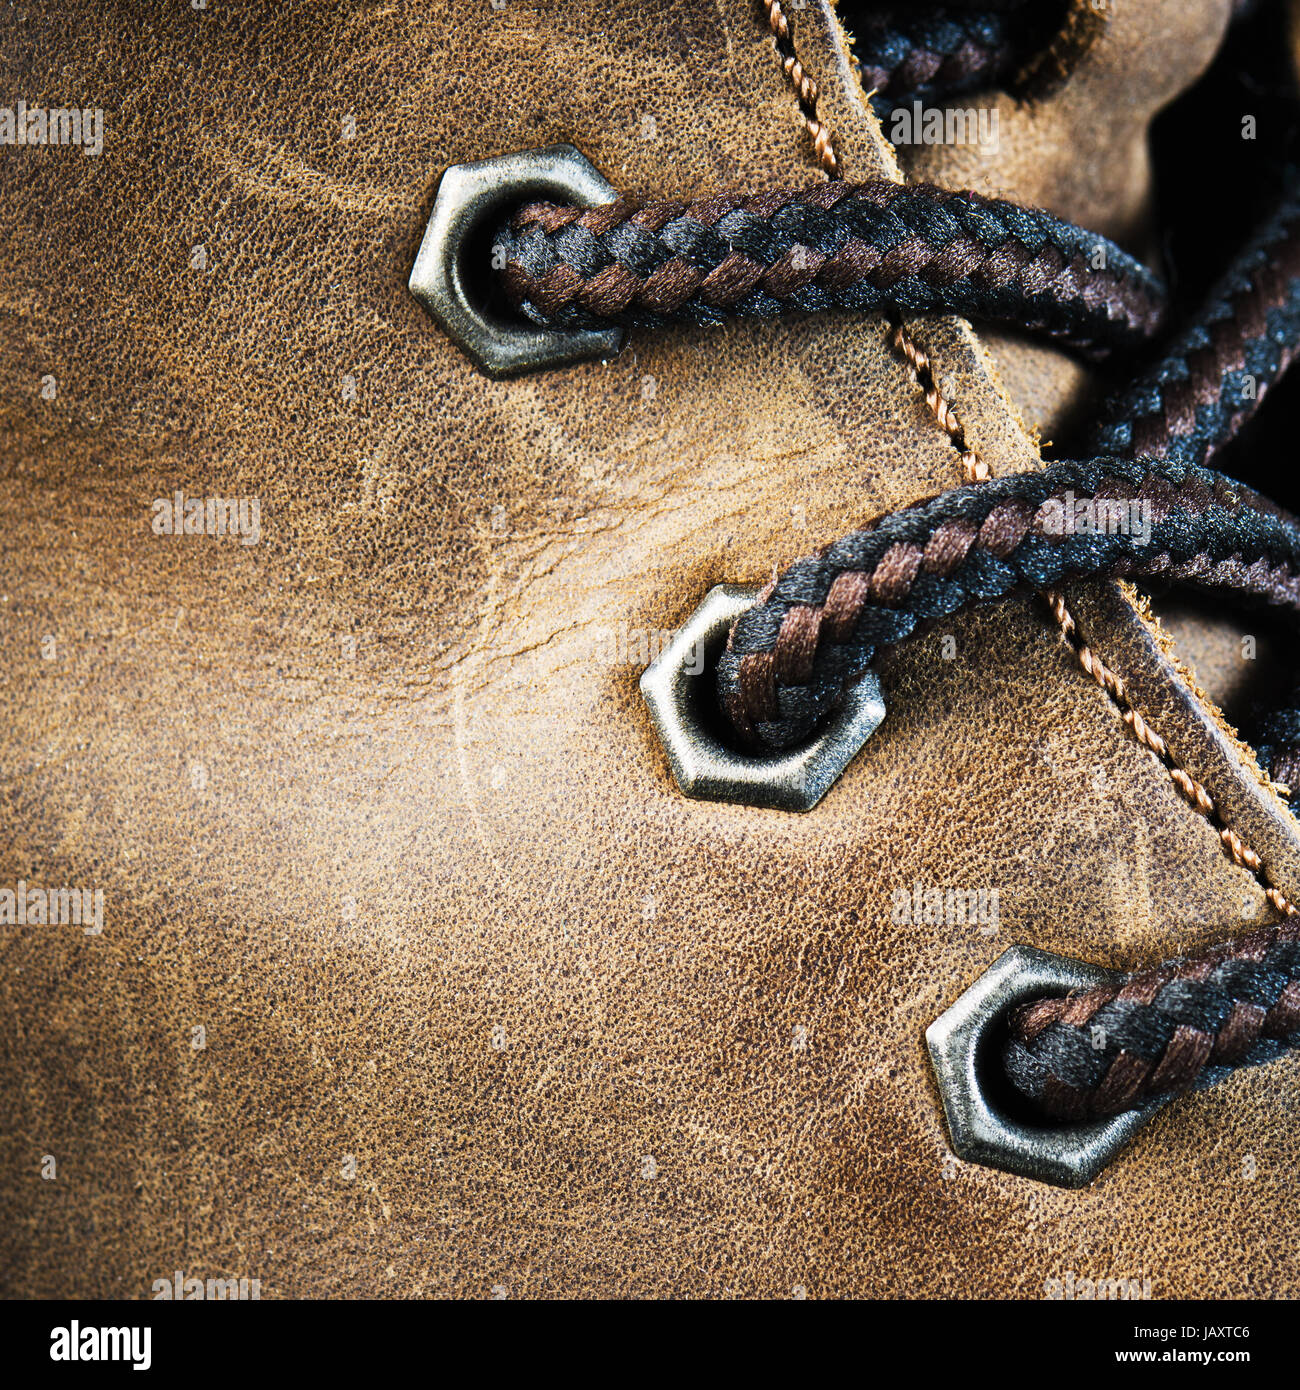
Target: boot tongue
{"points": [[1078, 146]]}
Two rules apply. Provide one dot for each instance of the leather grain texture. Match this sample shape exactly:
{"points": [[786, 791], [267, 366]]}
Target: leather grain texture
{"points": [[486, 1004]]}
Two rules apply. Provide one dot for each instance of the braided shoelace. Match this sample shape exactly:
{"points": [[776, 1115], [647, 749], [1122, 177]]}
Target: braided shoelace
{"points": [[785, 669], [877, 245], [820, 625], [935, 54], [938, 51], [1278, 736], [1180, 1027], [825, 619], [926, 56], [1220, 367]]}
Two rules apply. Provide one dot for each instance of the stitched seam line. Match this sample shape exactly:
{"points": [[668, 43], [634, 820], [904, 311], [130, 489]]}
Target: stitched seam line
{"points": [[1189, 788], [805, 88], [1193, 792], [974, 469]]}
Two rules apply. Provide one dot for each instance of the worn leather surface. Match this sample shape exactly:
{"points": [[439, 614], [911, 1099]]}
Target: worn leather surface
{"points": [[487, 1005]]}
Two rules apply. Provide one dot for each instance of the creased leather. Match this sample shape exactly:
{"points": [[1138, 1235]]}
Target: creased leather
{"points": [[488, 1006]]}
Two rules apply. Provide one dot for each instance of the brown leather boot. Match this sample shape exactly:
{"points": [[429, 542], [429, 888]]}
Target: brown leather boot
{"points": [[415, 971]]}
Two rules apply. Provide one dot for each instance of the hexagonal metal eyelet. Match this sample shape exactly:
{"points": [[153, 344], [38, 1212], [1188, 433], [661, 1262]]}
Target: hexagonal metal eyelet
{"points": [[678, 690], [471, 199], [962, 1045]]}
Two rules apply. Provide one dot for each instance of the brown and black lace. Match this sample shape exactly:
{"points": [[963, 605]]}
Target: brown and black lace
{"points": [[911, 249]]}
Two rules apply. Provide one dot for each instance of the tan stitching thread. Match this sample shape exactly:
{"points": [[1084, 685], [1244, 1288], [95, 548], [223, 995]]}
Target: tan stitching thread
{"points": [[973, 467], [805, 88], [1191, 790], [976, 470]]}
